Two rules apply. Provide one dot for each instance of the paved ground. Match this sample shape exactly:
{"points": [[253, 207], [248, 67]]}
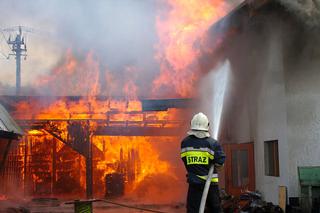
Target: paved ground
{"points": [[59, 206]]}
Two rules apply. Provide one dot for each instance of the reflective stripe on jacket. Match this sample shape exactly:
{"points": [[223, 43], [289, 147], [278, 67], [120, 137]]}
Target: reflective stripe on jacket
{"points": [[214, 178], [198, 154]]}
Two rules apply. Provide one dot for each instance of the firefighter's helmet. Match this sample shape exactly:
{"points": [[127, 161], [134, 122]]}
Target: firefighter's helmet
{"points": [[200, 122]]}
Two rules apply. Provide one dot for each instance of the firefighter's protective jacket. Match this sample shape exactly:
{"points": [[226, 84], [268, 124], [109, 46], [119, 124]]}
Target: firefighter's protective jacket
{"points": [[198, 154]]}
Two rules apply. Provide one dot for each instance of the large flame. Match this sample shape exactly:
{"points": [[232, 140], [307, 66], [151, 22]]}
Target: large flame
{"points": [[181, 29], [134, 157]]}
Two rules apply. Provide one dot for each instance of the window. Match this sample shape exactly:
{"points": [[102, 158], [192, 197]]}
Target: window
{"points": [[271, 158]]}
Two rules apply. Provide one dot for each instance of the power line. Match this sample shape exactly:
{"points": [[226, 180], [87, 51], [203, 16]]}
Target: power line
{"points": [[4, 38], [2, 53], [19, 48]]}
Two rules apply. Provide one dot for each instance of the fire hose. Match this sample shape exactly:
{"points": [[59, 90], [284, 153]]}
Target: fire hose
{"points": [[206, 190]]}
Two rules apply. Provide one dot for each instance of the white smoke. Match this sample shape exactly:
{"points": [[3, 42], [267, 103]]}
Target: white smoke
{"points": [[119, 33]]}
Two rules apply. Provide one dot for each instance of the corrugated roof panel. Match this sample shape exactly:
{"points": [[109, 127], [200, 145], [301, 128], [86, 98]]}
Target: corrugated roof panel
{"points": [[7, 123]]}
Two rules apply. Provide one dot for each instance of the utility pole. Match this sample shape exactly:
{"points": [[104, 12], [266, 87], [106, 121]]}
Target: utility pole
{"points": [[19, 48]]}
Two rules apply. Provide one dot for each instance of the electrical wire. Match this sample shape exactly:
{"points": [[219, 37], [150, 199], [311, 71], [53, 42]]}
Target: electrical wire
{"points": [[4, 38]]}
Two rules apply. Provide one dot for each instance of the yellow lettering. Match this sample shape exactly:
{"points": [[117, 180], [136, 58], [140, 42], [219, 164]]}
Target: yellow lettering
{"points": [[204, 160], [197, 160]]}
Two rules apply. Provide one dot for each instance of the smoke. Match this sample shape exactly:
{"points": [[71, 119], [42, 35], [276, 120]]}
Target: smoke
{"points": [[160, 188], [6, 89], [306, 10], [119, 33]]}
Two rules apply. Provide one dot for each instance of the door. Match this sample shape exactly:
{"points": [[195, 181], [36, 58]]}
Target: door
{"points": [[239, 168]]}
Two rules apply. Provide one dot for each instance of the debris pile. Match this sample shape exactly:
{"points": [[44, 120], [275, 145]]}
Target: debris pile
{"points": [[248, 202]]}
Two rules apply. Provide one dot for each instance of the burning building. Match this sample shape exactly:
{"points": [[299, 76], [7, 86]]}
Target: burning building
{"points": [[90, 130], [100, 146], [101, 129]]}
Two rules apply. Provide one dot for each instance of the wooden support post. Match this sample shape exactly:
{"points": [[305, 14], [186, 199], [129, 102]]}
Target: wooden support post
{"points": [[89, 177], [89, 181], [54, 165], [25, 166]]}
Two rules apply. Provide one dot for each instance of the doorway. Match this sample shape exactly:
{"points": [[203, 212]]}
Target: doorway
{"points": [[239, 168]]}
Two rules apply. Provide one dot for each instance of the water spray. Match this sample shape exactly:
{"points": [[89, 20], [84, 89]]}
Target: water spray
{"points": [[219, 81]]}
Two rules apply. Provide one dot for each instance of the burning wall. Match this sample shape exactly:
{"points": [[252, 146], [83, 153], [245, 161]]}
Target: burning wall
{"points": [[123, 142], [109, 122]]}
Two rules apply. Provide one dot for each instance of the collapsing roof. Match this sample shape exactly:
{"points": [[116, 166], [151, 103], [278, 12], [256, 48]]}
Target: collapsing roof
{"points": [[9, 129]]}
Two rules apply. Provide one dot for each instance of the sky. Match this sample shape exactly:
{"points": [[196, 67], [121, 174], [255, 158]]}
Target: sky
{"points": [[119, 33]]}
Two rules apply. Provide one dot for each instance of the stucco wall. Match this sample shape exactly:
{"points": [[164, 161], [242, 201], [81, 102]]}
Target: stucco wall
{"points": [[303, 108], [276, 96], [284, 106], [271, 120], [258, 110]]}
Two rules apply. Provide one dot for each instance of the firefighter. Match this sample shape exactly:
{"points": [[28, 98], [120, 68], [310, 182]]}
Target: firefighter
{"points": [[198, 152]]}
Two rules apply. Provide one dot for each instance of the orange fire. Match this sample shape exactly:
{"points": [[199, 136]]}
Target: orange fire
{"points": [[136, 150], [72, 77], [135, 157], [181, 29]]}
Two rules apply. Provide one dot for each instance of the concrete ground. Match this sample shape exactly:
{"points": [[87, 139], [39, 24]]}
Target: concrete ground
{"points": [[60, 206]]}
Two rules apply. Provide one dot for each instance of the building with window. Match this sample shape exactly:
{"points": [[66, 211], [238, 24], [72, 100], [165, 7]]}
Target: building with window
{"points": [[273, 104]]}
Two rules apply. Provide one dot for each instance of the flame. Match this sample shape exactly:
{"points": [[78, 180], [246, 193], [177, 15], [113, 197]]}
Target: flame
{"points": [[181, 29], [135, 157], [137, 151], [73, 77], [35, 132]]}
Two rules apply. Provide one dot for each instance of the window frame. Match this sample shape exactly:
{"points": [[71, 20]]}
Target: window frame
{"points": [[271, 158]]}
